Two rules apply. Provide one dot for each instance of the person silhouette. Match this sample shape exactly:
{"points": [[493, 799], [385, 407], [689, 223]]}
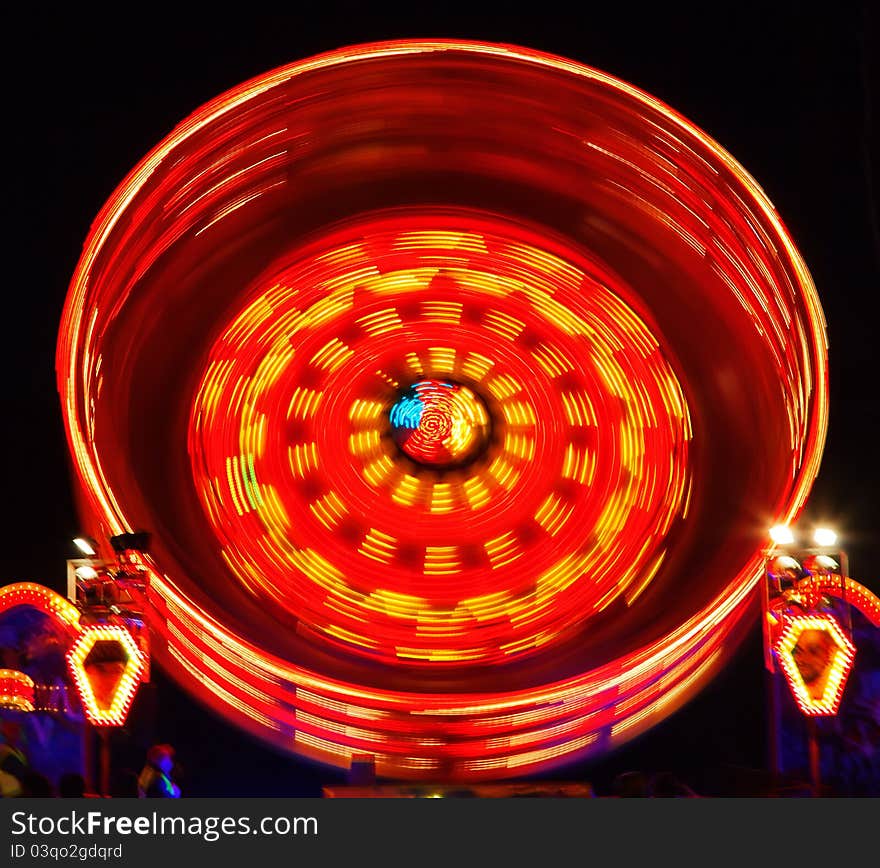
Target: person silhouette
{"points": [[155, 781]]}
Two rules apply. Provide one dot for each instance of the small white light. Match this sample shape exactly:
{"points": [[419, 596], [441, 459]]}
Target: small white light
{"points": [[824, 536], [820, 565], [784, 568], [84, 546], [781, 535], [86, 572]]}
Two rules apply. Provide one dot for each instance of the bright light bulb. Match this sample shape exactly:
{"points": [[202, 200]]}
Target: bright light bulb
{"points": [[84, 546], [781, 535], [824, 536]]}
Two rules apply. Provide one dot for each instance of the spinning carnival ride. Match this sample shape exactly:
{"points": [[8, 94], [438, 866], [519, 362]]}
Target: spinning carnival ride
{"points": [[457, 385]]}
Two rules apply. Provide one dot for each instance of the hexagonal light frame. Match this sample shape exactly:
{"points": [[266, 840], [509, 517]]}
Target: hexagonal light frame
{"points": [[840, 664], [128, 683]]}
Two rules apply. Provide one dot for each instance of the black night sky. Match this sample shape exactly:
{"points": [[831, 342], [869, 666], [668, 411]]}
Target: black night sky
{"points": [[791, 94]]}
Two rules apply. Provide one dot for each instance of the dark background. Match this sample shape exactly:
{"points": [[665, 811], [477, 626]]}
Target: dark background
{"points": [[791, 94]]}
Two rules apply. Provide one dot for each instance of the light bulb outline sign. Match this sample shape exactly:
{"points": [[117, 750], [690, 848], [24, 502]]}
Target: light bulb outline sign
{"points": [[816, 657], [125, 656]]}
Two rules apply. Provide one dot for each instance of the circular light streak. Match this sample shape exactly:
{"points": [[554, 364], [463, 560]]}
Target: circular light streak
{"points": [[439, 423], [322, 515], [640, 358]]}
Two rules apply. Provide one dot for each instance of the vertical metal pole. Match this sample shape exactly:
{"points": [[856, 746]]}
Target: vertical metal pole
{"points": [[773, 731], [770, 680], [815, 768], [88, 754], [105, 761], [846, 616]]}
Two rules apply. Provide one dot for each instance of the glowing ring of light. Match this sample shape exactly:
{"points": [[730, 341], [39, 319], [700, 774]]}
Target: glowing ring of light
{"points": [[200, 185], [320, 514]]}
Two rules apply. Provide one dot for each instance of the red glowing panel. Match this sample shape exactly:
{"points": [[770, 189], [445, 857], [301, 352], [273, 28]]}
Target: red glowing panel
{"points": [[536, 564], [16, 690], [106, 665], [816, 657]]}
